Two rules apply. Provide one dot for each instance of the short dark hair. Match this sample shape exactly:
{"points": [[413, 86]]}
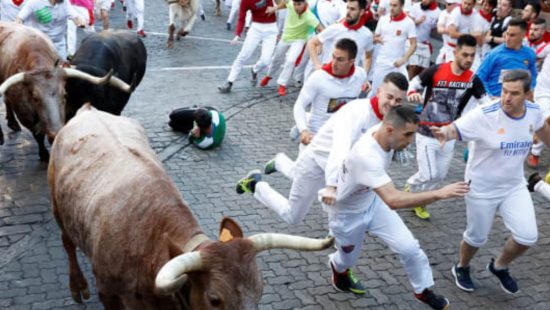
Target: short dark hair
{"points": [[347, 45], [466, 39], [402, 3], [362, 3], [539, 21], [518, 22], [492, 3], [518, 75], [397, 79], [203, 118], [536, 7], [401, 115]]}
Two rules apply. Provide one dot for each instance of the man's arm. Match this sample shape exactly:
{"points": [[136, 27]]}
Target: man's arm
{"points": [[408, 54], [453, 31], [544, 132], [304, 100], [242, 17], [396, 199], [314, 46], [280, 5]]}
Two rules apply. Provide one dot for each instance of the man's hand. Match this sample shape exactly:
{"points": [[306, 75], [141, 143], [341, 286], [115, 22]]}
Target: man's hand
{"points": [[235, 40], [415, 97], [196, 132], [270, 10], [420, 20], [365, 87], [318, 67], [458, 189], [399, 62], [329, 195], [305, 137], [440, 133], [79, 22], [378, 39]]}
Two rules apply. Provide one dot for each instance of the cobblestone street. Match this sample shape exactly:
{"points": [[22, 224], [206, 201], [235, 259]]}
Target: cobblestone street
{"points": [[33, 263]]}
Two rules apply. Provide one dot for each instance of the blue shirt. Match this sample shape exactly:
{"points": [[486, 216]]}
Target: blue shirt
{"points": [[503, 58]]}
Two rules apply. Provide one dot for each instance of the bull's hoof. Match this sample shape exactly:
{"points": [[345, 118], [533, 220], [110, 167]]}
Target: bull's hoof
{"points": [[170, 44], [181, 33], [78, 296], [44, 156], [14, 125]]}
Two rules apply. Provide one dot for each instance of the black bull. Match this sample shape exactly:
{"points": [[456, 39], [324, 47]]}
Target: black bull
{"points": [[122, 52]]}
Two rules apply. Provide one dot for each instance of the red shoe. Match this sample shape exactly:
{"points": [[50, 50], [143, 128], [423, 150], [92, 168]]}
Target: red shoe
{"points": [[141, 33], [264, 81], [113, 5], [282, 90], [130, 24], [532, 161]]}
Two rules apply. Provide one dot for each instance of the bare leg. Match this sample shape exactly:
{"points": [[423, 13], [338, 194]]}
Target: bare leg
{"points": [[217, 10], [77, 282], [171, 30], [105, 19], [466, 253], [42, 150], [511, 251], [10, 117]]}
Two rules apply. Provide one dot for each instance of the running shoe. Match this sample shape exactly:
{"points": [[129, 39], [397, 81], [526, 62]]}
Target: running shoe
{"points": [[547, 177], [269, 167], [130, 24], [265, 81], [532, 181], [254, 77], [462, 278], [507, 283], [422, 213], [225, 88], [282, 90], [248, 183], [228, 26], [433, 300], [141, 33], [532, 161], [347, 281]]}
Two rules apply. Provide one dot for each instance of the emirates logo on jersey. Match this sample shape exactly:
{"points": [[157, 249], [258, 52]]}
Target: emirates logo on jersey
{"points": [[398, 32]]}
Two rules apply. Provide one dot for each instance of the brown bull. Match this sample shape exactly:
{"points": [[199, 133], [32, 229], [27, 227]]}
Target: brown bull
{"points": [[32, 85], [112, 198]]}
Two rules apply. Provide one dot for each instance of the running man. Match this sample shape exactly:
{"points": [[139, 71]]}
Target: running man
{"points": [[425, 15], [450, 87], [9, 9], [501, 135], [442, 21], [366, 201], [263, 30], [318, 164], [135, 10]]}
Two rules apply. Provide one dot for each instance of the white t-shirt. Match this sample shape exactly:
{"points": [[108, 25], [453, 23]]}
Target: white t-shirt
{"points": [[336, 137], [464, 23], [9, 10], [442, 21], [425, 28], [543, 79], [324, 94], [363, 170], [499, 147], [395, 35], [328, 37], [50, 19], [330, 11], [386, 5]]}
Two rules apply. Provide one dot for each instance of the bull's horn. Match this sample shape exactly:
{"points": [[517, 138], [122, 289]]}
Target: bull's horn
{"points": [[12, 80], [120, 84], [173, 274], [269, 241], [74, 73]]}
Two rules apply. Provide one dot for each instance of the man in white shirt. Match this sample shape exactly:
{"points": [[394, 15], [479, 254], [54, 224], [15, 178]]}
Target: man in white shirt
{"points": [[318, 164], [501, 135], [442, 29], [9, 9], [463, 19], [135, 11], [424, 15], [366, 201], [391, 35]]}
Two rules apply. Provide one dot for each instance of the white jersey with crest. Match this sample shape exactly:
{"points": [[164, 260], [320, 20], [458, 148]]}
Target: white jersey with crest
{"points": [[395, 35]]}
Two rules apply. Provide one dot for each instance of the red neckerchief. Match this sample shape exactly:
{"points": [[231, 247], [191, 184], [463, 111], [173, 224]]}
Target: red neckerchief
{"points": [[17, 2], [537, 42], [358, 25], [328, 68], [376, 108], [464, 12], [431, 7], [398, 18], [488, 16]]}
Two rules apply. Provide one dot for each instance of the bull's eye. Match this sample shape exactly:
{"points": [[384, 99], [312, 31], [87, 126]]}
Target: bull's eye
{"points": [[215, 301]]}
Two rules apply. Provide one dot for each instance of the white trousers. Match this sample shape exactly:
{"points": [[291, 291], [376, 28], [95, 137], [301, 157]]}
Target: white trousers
{"points": [[285, 165], [234, 12], [266, 34], [543, 100], [442, 56], [433, 163], [421, 56], [381, 69], [285, 55], [516, 210], [71, 28], [299, 71], [135, 9], [309, 178], [543, 188], [281, 18], [349, 230]]}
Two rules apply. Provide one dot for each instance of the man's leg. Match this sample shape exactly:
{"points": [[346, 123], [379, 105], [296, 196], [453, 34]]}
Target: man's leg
{"points": [[269, 40], [252, 40], [282, 163], [294, 52], [139, 11], [104, 18], [277, 60]]}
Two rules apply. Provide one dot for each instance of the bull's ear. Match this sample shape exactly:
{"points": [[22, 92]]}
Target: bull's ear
{"points": [[173, 249], [229, 229]]}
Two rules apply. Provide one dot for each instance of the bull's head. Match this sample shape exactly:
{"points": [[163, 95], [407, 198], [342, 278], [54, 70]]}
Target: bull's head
{"points": [[224, 274], [44, 91]]}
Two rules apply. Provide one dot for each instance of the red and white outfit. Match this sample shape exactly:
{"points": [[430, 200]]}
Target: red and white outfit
{"points": [[442, 21], [263, 30], [308, 173], [135, 10], [85, 9], [9, 9], [465, 22], [542, 90], [423, 52], [361, 35], [395, 33], [358, 210]]}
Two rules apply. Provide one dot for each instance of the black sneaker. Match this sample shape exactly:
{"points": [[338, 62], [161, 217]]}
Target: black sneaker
{"points": [[507, 283], [532, 181], [225, 88], [433, 300], [269, 167], [254, 77], [346, 281], [462, 278], [248, 183]]}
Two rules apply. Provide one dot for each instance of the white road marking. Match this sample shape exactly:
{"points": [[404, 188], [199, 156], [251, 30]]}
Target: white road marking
{"points": [[192, 68]]}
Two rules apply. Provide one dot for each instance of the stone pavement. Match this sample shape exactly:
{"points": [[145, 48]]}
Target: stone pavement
{"points": [[33, 264]]}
